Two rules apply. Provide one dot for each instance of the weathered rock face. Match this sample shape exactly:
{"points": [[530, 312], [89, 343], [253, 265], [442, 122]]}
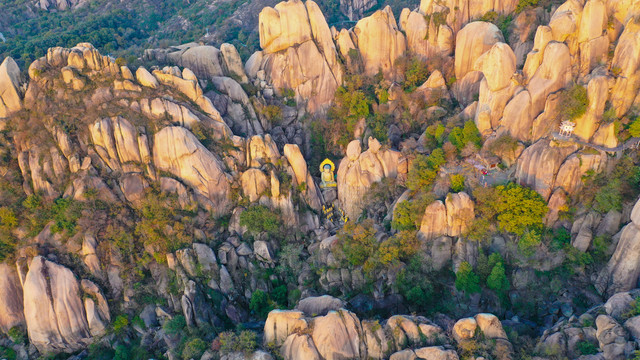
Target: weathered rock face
{"points": [[341, 335], [574, 167], [11, 305], [597, 91], [460, 12], [539, 164], [425, 37], [58, 4], [299, 166], [623, 269], [54, 312], [337, 335], [355, 9], [472, 41], [380, 42], [357, 171], [204, 60], [296, 37], [177, 151], [626, 62], [451, 218], [10, 98]]}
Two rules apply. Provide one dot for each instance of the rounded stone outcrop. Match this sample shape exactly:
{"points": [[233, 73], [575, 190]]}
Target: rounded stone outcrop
{"points": [[472, 41], [280, 324], [498, 66], [296, 37], [177, 151], [450, 218], [10, 97], [538, 165], [53, 309], [626, 63], [357, 171], [623, 269], [11, 306], [380, 42]]}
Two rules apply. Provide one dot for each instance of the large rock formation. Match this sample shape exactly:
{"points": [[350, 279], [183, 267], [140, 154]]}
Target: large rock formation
{"points": [[357, 171], [355, 9], [425, 36], [623, 269], [296, 37], [450, 218], [204, 60], [10, 99], [498, 66], [177, 151], [626, 64], [380, 42], [472, 41], [55, 315], [460, 12], [341, 335], [539, 164], [11, 306]]}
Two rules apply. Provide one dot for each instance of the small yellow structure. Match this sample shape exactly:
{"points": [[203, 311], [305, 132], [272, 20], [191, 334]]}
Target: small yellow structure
{"points": [[326, 171]]}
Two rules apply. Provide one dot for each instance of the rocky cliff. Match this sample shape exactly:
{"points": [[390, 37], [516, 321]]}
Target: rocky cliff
{"points": [[150, 210]]}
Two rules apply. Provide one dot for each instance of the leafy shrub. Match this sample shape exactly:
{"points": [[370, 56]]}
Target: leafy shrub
{"points": [[457, 182], [424, 169], [415, 284], [501, 21], [529, 242], [408, 213], [415, 74], [244, 342], [609, 197], [634, 309], [175, 326], [8, 353], [120, 324], [498, 282], [523, 4], [515, 208], [574, 102], [259, 218], [259, 303], [485, 264], [634, 127], [194, 349], [358, 242], [359, 247], [435, 135], [378, 124], [586, 347], [17, 335], [158, 226], [460, 137], [467, 281]]}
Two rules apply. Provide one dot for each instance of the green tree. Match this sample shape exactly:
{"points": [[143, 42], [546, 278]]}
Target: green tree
{"points": [[515, 208], [424, 170], [529, 242], [574, 102], [259, 303], [194, 349], [634, 128], [467, 281], [457, 182], [259, 218], [497, 280]]}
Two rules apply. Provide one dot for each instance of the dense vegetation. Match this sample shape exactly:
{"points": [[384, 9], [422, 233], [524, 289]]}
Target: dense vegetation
{"points": [[122, 29]]}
